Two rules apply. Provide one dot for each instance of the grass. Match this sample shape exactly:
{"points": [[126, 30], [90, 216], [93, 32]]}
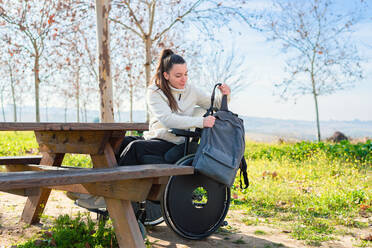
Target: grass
{"points": [[309, 193], [24, 143], [239, 241], [308, 189], [259, 232], [77, 232]]}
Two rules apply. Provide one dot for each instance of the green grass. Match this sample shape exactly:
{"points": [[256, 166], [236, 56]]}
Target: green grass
{"points": [[259, 232], [308, 189], [239, 241], [24, 143], [74, 232]]}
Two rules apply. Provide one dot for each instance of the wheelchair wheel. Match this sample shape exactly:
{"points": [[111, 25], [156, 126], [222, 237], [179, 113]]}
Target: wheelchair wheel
{"points": [[194, 206], [152, 210]]}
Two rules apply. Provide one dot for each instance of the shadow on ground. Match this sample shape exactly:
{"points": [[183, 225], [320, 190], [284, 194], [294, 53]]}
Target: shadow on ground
{"points": [[163, 237]]}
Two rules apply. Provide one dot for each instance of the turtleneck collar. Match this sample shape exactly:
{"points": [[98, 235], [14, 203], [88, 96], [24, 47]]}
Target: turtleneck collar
{"points": [[175, 90]]}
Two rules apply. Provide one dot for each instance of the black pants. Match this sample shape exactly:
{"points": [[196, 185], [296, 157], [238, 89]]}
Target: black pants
{"points": [[133, 148]]}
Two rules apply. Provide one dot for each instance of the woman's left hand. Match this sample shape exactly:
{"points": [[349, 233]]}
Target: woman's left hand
{"points": [[225, 89]]}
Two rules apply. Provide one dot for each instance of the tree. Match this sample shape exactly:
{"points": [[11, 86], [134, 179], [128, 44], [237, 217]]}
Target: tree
{"points": [[151, 20], [322, 58], [13, 70], [2, 91], [71, 59], [103, 54], [219, 65], [31, 21]]}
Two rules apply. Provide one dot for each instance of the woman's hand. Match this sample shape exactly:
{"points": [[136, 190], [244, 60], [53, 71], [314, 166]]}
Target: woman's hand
{"points": [[209, 121], [225, 89]]}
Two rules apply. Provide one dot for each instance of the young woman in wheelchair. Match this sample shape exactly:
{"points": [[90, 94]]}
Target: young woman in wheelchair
{"points": [[171, 102]]}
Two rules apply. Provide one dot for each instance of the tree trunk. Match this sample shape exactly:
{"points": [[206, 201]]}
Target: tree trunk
{"points": [[13, 94], [118, 111], [148, 45], [20, 113], [316, 106], [65, 108], [104, 73], [46, 109], [2, 106], [130, 102], [77, 75], [37, 83], [85, 111]]}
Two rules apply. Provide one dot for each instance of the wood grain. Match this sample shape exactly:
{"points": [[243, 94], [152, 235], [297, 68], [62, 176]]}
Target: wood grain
{"points": [[36, 203], [32, 126], [20, 160], [134, 189], [30, 179]]}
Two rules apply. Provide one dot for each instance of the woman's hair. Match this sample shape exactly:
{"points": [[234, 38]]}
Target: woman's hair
{"points": [[166, 60]]}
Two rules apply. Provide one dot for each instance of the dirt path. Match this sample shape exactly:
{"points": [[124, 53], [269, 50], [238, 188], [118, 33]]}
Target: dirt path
{"points": [[240, 235]]}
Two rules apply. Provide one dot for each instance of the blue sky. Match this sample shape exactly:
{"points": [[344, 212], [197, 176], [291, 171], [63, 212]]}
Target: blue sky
{"points": [[264, 62]]}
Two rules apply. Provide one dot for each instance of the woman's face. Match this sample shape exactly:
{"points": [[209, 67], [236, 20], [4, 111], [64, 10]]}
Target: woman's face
{"points": [[177, 76]]}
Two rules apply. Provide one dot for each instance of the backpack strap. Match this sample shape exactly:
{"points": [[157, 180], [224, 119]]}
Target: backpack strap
{"points": [[211, 109], [243, 170]]}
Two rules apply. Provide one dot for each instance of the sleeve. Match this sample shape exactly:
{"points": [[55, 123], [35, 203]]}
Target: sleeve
{"points": [[204, 101], [160, 109]]}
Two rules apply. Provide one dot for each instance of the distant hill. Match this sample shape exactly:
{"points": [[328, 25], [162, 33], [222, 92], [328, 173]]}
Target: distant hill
{"points": [[267, 129], [260, 129]]}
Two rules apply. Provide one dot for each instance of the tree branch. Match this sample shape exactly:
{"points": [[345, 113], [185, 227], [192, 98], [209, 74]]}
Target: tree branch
{"points": [[178, 19]]}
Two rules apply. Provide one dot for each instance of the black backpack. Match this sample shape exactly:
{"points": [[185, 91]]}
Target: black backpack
{"points": [[221, 149]]}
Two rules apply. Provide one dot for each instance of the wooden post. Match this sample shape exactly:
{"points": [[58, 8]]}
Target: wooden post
{"points": [[104, 72], [121, 212], [35, 203]]}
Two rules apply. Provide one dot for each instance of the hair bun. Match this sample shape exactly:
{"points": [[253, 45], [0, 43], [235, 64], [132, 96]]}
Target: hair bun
{"points": [[165, 53]]}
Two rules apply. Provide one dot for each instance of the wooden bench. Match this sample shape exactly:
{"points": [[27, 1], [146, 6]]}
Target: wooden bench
{"points": [[35, 177], [20, 160], [127, 183]]}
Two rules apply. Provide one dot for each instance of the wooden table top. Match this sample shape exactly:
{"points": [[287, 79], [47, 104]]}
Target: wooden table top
{"points": [[72, 126]]}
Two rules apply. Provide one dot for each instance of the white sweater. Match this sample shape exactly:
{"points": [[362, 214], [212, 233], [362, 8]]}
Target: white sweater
{"points": [[162, 118]]}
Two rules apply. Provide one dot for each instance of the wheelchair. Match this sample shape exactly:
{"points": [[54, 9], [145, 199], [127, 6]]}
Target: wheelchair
{"points": [[193, 206]]}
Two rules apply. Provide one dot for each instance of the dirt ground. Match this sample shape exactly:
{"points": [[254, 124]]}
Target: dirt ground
{"points": [[240, 235]]}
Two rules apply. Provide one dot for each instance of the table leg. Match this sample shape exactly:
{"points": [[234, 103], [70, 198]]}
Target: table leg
{"points": [[125, 223], [35, 204], [121, 212]]}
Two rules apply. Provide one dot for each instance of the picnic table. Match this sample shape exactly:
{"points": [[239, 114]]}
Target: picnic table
{"points": [[36, 176]]}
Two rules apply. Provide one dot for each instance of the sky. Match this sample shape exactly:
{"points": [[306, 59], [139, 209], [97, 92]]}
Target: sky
{"points": [[264, 63]]}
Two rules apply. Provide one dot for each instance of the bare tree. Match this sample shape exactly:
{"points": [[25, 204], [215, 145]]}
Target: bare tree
{"points": [[2, 93], [13, 71], [71, 58], [31, 21], [322, 57], [151, 20], [220, 65]]}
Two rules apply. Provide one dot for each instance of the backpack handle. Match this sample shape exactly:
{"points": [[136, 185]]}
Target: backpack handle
{"points": [[223, 103]]}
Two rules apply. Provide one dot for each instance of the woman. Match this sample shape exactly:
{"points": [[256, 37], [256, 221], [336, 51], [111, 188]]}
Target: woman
{"points": [[171, 103]]}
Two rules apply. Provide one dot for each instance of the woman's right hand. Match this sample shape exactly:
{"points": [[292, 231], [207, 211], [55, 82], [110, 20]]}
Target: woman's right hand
{"points": [[209, 121]]}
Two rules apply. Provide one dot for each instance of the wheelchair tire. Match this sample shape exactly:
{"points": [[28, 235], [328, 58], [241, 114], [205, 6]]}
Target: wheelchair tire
{"points": [[153, 213], [194, 206]]}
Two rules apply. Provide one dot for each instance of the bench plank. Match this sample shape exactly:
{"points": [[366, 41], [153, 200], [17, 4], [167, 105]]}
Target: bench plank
{"points": [[20, 160], [35, 167], [32, 126], [29, 179]]}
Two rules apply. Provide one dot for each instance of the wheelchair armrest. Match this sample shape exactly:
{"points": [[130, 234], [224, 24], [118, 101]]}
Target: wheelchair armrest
{"points": [[184, 133]]}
